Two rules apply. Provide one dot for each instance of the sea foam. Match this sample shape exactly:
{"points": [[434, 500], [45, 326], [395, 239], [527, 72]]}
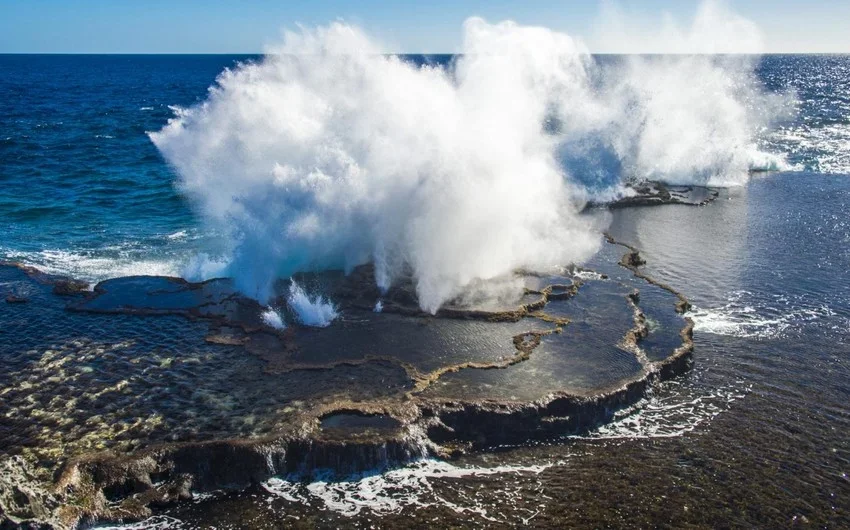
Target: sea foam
{"points": [[392, 490]]}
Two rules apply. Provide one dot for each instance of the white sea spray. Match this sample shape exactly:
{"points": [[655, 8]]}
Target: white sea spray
{"points": [[329, 153]]}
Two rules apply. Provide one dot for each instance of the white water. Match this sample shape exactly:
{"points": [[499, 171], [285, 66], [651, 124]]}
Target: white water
{"points": [[393, 490], [157, 522], [745, 318], [92, 266], [311, 310], [329, 153], [272, 318], [680, 409], [388, 492]]}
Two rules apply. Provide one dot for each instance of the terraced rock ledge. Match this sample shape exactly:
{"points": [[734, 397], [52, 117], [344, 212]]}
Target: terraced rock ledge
{"points": [[149, 389]]}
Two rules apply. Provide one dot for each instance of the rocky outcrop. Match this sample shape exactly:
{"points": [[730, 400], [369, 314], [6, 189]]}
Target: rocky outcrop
{"points": [[653, 193], [15, 299], [323, 426]]}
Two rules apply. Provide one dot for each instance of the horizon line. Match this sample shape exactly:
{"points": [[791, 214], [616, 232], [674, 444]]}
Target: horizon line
{"points": [[410, 53]]}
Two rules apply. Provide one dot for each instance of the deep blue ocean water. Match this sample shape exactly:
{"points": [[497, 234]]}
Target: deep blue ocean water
{"points": [[82, 188]]}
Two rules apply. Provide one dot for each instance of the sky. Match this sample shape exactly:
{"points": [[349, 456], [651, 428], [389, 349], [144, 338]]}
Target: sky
{"points": [[435, 26]]}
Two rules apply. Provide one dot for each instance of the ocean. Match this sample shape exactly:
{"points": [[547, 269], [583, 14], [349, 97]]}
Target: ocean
{"points": [[84, 189], [754, 434], [86, 192]]}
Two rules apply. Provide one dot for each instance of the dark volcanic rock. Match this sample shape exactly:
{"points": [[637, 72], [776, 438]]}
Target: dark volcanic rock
{"points": [[167, 387], [14, 299], [632, 259], [67, 287], [651, 193]]}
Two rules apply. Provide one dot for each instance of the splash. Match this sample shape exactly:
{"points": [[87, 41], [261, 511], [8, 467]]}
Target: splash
{"points": [[328, 153], [692, 119], [311, 311], [714, 29], [273, 319]]}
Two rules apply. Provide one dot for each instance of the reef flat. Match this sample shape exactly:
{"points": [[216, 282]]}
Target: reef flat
{"points": [[149, 389]]}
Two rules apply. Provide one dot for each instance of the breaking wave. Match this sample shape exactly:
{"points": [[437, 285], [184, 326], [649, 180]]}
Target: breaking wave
{"points": [[329, 153], [93, 266]]}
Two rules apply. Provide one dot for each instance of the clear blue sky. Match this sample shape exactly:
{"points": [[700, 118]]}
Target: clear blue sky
{"points": [[213, 26]]}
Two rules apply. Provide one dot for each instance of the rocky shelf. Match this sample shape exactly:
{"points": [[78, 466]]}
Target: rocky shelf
{"points": [[651, 193], [147, 389]]}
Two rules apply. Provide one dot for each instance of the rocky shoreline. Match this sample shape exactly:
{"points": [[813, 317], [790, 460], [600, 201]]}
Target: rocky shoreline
{"points": [[404, 402]]}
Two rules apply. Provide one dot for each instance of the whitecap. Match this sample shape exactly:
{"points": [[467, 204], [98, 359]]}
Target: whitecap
{"points": [[588, 275], [180, 234]]}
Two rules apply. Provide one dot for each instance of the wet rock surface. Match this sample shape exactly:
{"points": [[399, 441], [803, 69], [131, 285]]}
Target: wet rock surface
{"points": [[650, 193], [134, 394]]}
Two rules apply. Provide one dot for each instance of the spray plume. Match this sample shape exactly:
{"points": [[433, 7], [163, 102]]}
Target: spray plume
{"points": [[329, 153]]}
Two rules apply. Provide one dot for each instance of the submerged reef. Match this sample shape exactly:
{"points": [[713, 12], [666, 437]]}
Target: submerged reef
{"points": [[148, 389]]}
